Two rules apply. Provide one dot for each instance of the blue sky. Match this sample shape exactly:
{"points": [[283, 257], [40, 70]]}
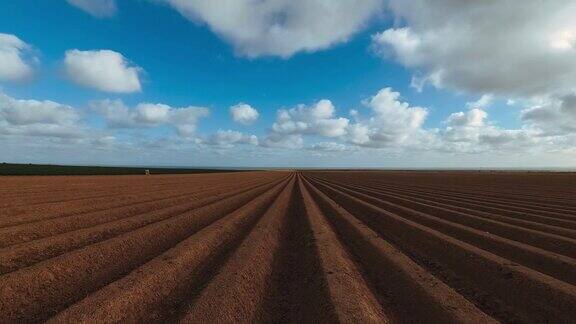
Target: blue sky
{"points": [[176, 55]]}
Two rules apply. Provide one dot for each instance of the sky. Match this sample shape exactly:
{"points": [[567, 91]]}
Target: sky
{"points": [[289, 83]]}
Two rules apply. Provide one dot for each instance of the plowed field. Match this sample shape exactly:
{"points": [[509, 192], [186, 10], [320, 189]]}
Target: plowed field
{"points": [[279, 246]]}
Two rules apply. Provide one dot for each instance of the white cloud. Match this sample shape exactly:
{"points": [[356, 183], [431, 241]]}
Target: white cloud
{"points": [[387, 127], [280, 27], [105, 141], [393, 125], [152, 114], [485, 46], [38, 118], [473, 132], [391, 121], [329, 147], [554, 115], [465, 127], [318, 119], [290, 125], [291, 141], [115, 112], [359, 134], [473, 118], [402, 43], [96, 8], [484, 102], [512, 139], [244, 114], [145, 115], [186, 119], [104, 70], [15, 60], [227, 138]]}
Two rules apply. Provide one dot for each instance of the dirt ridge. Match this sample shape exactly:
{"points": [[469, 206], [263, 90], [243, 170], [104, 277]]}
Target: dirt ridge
{"points": [[289, 246]]}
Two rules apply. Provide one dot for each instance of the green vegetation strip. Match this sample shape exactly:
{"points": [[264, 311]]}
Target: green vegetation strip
{"points": [[46, 169]]}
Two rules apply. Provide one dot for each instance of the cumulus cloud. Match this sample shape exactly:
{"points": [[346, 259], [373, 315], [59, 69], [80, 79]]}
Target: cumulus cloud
{"points": [[473, 118], [38, 118], [387, 121], [15, 58], [398, 42], [391, 121], [485, 46], [482, 103], [145, 115], [96, 8], [512, 139], [291, 141], [104, 70], [280, 27], [472, 132], [555, 115], [228, 138], [244, 114], [329, 147], [394, 125], [465, 126], [318, 119]]}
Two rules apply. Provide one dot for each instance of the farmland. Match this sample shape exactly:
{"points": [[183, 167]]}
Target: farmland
{"points": [[282, 246]]}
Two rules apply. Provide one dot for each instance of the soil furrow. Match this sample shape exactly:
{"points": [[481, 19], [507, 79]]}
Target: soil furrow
{"points": [[68, 191], [410, 292], [514, 284], [289, 247], [26, 254], [486, 206], [113, 202], [560, 227], [463, 225], [237, 292], [352, 299], [152, 290], [40, 291], [35, 231], [507, 202], [296, 292], [566, 205]]}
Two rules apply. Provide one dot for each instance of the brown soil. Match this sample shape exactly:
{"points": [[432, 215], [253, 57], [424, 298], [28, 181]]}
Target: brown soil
{"points": [[315, 246]]}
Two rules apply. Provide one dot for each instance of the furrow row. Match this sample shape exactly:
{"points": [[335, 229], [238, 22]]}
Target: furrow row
{"points": [[531, 200], [559, 220], [67, 192], [408, 291], [559, 227], [28, 253], [454, 221], [42, 290], [33, 231], [117, 198], [291, 247], [505, 203], [149, 292], [528, 195], [511, 285]]}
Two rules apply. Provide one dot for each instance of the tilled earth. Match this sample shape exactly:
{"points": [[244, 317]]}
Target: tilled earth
{"points": [[280, 246]]}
